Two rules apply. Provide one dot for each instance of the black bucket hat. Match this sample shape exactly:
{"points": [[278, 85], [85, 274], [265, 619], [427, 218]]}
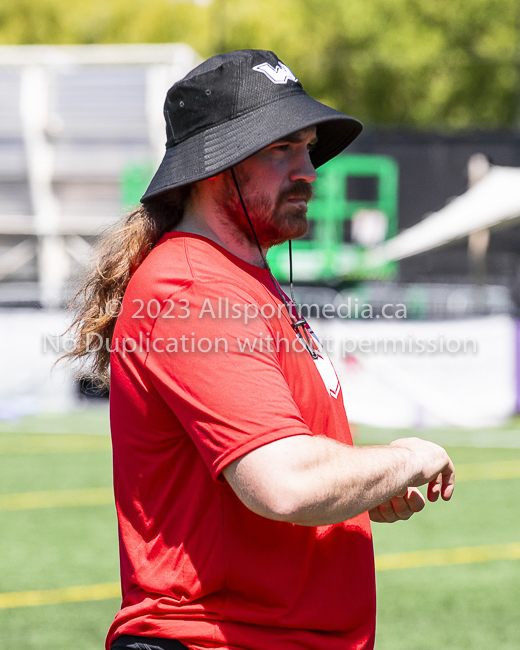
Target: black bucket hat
{"points": [[232, 106]]}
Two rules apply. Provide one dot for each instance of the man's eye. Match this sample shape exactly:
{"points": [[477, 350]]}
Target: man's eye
{"points": [[281, 147]]}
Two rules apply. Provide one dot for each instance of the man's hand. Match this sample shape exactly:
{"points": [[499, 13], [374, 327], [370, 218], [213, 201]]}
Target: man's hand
{"points": [[399, 508], [434, 467]]}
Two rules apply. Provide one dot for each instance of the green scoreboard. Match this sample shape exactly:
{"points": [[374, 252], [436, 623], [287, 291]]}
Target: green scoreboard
{"points": [[355, 208]]}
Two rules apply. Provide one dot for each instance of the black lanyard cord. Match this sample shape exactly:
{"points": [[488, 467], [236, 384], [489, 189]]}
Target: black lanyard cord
{"points": [[297, 324]]}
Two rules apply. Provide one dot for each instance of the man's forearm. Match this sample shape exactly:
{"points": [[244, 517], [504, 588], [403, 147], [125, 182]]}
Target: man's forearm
{"points": [[315, 481]]}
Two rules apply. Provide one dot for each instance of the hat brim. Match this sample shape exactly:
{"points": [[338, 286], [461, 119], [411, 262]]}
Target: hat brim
{"points": [[214, 150]]}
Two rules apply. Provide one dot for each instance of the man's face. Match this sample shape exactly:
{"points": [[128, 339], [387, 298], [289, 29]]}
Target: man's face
{"points": [[275, 186]]}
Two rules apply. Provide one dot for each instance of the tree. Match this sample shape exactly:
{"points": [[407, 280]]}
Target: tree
{"points": [[437, 64]]}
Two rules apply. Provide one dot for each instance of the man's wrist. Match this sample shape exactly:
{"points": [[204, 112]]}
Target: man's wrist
{"points": [[409, 464]]}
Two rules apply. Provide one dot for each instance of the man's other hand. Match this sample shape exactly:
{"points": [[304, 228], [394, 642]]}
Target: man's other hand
{"points": [[400, 508]]}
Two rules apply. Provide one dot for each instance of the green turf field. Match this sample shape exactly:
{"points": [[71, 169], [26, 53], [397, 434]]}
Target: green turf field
{"points": [[448, 578]]}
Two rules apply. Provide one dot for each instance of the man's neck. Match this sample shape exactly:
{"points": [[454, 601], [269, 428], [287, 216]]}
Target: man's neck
{"points": [[202, 218]]}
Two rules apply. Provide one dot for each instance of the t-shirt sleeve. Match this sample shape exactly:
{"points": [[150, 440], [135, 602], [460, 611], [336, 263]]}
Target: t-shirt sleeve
{"points": [[219, 370]]}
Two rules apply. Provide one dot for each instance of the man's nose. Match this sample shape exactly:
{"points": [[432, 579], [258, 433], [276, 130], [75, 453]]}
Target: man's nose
{"points": [[303, 168]]}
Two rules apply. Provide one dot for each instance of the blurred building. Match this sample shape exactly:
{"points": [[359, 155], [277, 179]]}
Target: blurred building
{"points": [[72, 119], [434, 169], [81, 130], [78, 122]]}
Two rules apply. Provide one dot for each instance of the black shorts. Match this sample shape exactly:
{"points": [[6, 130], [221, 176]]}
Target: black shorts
{"points": [[127, 642]]}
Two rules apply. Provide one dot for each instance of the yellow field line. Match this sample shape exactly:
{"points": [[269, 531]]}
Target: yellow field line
{"points": [[386, 562], [57, 596], [56, 499], [53, 444], [488, 471], [101, 496], [445, 557], [78, 443]]}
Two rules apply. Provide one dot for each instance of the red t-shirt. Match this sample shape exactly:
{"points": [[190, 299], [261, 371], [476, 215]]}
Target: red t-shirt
{"points": [[205, 368]]}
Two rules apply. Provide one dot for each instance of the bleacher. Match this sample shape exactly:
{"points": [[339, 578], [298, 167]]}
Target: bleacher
{"points": [[72, 119]]}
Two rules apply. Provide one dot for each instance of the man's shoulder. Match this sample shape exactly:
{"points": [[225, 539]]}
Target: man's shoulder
{"points": [[183, 262]]}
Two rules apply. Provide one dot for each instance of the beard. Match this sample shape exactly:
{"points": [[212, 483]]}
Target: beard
{"points": [[275, 222]]}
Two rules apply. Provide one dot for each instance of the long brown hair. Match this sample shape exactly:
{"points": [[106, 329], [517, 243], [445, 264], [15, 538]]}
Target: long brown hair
{"points": [[119, 253]]}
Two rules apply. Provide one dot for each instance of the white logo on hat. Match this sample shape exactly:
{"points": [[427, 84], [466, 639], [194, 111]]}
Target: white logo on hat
{"points": [[279, 75]]}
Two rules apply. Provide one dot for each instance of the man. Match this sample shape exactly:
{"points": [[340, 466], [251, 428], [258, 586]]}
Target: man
{"points": [[243, 507]]}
